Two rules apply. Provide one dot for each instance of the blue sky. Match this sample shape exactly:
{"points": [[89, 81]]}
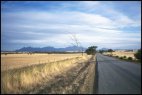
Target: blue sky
{"points": [[106, 24]]}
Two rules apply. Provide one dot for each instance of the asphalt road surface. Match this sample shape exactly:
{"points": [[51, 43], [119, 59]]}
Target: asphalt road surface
{"points": [[117, 77]]}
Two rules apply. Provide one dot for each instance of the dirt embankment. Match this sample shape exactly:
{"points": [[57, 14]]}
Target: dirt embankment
{"points": [[79, 79]]}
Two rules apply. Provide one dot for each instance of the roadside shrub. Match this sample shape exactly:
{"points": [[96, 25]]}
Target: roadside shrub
{"points": [[121, 57], [124, 57], [130, 58], [138, 54], [117, 56]]}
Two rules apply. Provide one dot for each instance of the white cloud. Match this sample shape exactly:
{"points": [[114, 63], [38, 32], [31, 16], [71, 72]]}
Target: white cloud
{"points": [[55, 27], [121, 20], [116, 19]]}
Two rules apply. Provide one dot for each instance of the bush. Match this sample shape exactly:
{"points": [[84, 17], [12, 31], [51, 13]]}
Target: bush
{"points": [[121, 57], [138, 54], [117, 56], [129, 58], [124, 56]]}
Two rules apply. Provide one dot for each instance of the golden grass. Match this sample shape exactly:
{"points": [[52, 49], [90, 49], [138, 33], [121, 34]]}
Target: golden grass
{"points": [[22, 80], [121, 54], [11, 61]]}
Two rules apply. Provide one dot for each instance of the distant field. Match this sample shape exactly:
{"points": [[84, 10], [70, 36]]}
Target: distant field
{"points": [[121, 54], [11, 61]]}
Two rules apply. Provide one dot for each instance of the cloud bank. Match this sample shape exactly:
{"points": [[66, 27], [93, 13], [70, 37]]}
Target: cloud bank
{"points": [[45, 23]]}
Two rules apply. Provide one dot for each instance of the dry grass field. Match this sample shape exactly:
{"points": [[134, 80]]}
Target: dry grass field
{"points": [[121, 54], [11, 61], [21, 73]]}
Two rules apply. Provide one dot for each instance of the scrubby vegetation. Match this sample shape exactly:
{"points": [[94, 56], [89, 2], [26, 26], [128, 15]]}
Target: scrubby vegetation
{"points": [[121, 57], [91, 50], [130, 58], [124, 57], [138, 55]]}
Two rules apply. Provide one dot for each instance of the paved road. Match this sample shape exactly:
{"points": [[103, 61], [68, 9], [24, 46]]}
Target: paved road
{"points": [[118, 77]]}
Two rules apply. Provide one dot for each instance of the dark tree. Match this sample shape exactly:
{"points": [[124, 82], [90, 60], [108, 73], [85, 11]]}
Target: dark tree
{"points": [[91, 50], [110, 50]]}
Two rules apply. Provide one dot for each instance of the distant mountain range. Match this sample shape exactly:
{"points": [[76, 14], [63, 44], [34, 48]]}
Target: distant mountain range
{"points": [[104, 49], [51, 49]]}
